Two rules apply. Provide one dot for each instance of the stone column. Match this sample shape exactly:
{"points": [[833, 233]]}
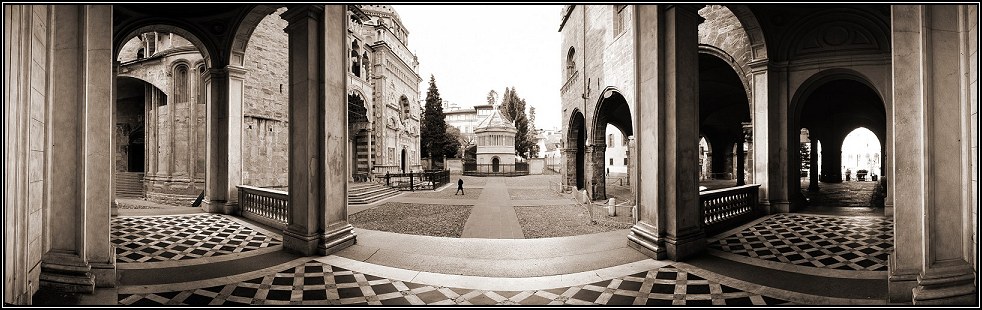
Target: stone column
{"points": [[631, 171], [761, 135], [588, 178], [742, 155], [932, 157], [668, 198], [813, 164], [318, 164], [832, 161], [224, 146], [80, 256], [598, 158]]}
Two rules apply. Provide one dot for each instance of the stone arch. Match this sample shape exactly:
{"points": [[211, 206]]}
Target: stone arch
{"points": [[612, 108], [750, 23], [726, 57], [840, 31], [830, 137], [244, 32], [121, 37], [576, 150]]}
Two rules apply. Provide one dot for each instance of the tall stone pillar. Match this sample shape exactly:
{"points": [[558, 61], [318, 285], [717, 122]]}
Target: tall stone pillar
{"points": [[832, 161], [224, 89], [746, 131], [668, 77], [336, 232], [748, 152], [631, 153], [932, 262], [598, 158], [80, 256], [813, 164], [318, 156], [762, 139]]}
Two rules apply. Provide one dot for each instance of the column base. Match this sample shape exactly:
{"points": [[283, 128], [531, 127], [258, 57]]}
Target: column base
{"points": [[105, 273], [65, 272], [951, 287], [888, 211], [337, 239], [687, 245], [300, 243], [220, 207], [780, 207], [644, 238], [900, 283]]}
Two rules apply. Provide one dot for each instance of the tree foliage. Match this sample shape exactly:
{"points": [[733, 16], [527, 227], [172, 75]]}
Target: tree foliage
{"points": [[433, 131], [513, 109], [454, 140]]}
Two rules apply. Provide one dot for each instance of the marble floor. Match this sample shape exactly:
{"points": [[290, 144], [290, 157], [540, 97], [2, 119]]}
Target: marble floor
{"points": [[223, 250]]}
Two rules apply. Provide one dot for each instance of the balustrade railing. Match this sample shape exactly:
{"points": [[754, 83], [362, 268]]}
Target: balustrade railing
{"points": [[727, 208], [267, 206]]}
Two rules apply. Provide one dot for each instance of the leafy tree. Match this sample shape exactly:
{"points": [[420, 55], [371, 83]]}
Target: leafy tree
{"points": [[533, 134], [433, 131], [454, 140], [513, 109]]}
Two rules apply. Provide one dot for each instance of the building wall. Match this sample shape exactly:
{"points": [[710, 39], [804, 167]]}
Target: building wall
{"points": [[265, 108], [973, 76], [603, 60], [723, 30], [616, 152]]}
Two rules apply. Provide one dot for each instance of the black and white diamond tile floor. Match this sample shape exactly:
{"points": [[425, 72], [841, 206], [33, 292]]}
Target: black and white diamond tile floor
{"points": [[315, 283], [144, 239], [843, 243]]}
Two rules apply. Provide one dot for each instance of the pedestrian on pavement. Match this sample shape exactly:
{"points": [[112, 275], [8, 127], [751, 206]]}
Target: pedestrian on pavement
{"points": [[460, 187]]}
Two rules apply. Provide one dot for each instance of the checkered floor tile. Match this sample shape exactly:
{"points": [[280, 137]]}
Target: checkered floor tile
{"points": [[846, 243], [315, 283], [165, 238]]}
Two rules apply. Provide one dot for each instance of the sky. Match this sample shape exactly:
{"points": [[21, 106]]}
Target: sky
{"points": [[472, 49]]}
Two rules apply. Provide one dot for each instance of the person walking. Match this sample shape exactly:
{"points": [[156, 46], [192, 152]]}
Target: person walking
{"points": [[460, 187]]}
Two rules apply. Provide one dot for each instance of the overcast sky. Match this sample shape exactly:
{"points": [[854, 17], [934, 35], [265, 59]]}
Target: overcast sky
{"points": [[472, 49]]}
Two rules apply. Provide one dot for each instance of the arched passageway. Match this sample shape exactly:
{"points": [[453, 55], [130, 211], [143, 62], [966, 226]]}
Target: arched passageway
{"points": [[576, 148], [724, 115], [831, 109], [612, 110]]}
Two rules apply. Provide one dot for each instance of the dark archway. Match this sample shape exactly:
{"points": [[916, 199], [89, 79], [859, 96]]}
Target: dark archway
{"points": [[495, 164], [612, 110], [136, 151], [358, 133], [403, 161], [831, 105], [576, 143], [723, 111]]}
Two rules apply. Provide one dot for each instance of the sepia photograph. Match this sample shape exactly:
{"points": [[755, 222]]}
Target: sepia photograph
{"points": [[642, 154]]}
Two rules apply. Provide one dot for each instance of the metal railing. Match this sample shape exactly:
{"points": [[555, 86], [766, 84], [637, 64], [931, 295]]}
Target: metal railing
{"points": [[412, 181], [726, 208], [267, 206], [496, 170]]}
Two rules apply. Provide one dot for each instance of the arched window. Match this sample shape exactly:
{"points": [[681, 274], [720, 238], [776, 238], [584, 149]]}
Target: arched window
{"points": [[355, 59], [181, 83], [404, 102], [610, 139], [140, 54], [570, 62]]}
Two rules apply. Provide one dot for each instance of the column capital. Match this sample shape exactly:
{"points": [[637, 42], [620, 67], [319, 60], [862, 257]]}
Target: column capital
{"points": [[296, 13], [691, 9]]}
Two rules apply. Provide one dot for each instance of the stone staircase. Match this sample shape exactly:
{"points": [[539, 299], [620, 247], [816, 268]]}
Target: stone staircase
{"points": [[368, 192], [129, 185]]}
